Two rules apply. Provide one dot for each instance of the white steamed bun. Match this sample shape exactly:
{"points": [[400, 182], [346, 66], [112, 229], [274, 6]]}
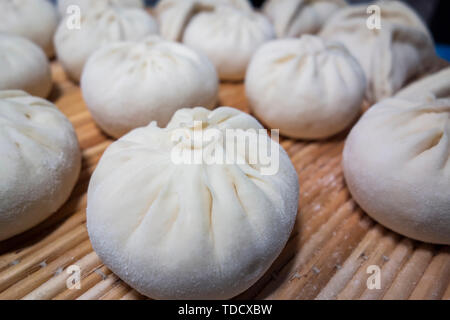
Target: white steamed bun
{"points": [[306, 87], [99, 27], [227, 34], [23, 66], [86, 5], [293, 18], [191, 231], [173, 15], [432, 87], [39, 161], [392, 56], [397, 166], [129, 84], [35, 20]]}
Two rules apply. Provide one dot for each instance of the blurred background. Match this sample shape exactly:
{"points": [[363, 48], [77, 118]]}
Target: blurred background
{"points": [[436, 13]]}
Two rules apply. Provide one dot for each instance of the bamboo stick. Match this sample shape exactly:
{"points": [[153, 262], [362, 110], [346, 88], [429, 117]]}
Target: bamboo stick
{"points": [[90, 137], [11, 258], [46, 271], [347, 271], [313, 275], [88, 281], [356, 286], [325, 219], [446, 295], [116, 292], [390, 269], [294, 148], [133, 295], [307, 154], [307, 242], [411, 273], [80, 119], [57, 284], [330, 159], [71, 103], [436, 278], [31, 262], [100, 288]]}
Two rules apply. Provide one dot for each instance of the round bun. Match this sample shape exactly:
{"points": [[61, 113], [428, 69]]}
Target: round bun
{"points": [[397, 167], [293, 18], [435, 86], [391, 56], [86, 5], [228, 32], [174, 15], [24, 66], [35, 20], [220, 35], [39, 161], [98, 27], [191, 231], [307, 88], [129, 84]]}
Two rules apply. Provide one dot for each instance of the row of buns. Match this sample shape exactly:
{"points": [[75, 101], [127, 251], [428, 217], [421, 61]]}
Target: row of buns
{"points": [[236, 39], [211, 231]]}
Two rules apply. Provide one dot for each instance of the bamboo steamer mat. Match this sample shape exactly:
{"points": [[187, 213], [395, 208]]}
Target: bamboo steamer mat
{"points": [[327, 256]]}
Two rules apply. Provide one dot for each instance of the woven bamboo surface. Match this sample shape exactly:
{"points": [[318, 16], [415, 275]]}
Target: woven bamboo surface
{"points": [[327, 256]]}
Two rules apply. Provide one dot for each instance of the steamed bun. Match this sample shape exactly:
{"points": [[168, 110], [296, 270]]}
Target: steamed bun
{"points": [[432, 87], [293, 18], [391, 56], [227, 34], [173, 15], [307, 88], [23, 66], [39, 161], [129, 84], [35, 20], [99, 27], [86, 5], [191, 231], [397, 166]]}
